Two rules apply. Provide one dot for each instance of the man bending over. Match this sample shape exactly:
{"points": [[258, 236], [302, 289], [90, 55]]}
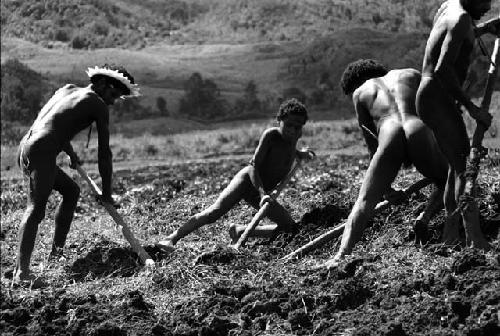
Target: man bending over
{"points": [[70, 110], [384, 102]]}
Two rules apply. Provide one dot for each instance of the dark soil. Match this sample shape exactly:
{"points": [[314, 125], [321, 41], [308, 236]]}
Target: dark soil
{"points": [[388, 287]]}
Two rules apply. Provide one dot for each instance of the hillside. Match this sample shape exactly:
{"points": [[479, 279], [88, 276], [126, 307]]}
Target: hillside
{"points": [[83, 24], [279, 45], [128, 23]]}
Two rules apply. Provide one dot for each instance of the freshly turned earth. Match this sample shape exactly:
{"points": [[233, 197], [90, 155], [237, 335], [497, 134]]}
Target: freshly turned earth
{"points": [[388, 287]]}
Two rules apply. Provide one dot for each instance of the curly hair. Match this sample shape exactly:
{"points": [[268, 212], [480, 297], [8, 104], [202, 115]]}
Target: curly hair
{"points": [[292, 106], [125, 90], [468, 6], [358, 72]]}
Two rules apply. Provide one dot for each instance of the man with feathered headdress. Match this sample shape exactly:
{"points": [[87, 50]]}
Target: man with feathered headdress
{"points": [[70, 110]]}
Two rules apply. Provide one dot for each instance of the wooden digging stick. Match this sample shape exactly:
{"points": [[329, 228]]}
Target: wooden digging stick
{"points": [[477, 139], [127, 233], [263, 210], [337, 231]]}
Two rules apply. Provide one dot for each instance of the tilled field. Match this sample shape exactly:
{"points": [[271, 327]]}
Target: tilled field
{"points": [[388, 287]]}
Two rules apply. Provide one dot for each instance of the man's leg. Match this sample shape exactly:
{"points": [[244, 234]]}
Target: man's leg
{"points": [[454, 145], [276, 213], [70, 192], [229, 197], [41, 180], [425, 154], [439, 112], [382, 170], [451, 234]]}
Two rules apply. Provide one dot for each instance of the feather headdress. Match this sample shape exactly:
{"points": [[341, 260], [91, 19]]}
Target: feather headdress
{"points": [[133, 88]]}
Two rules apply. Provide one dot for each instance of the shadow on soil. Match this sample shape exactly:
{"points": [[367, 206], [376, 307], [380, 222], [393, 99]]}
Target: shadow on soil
{"points": [[105, 260]]}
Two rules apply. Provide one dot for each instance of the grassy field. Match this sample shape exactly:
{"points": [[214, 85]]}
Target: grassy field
{"points": [[174, 139], [146, 140]]}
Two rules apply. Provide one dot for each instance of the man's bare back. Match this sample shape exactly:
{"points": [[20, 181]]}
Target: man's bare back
{"points": [[390, 96], [450, 18], [69, 111]]}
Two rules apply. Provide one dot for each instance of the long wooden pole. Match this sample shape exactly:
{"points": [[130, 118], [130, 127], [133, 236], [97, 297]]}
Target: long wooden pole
{"points": [[338, 230], [127, 233], [263, 210], [467, 206], [477, 138]]}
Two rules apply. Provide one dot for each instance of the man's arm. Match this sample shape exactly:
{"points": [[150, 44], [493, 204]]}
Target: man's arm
{"points": [[104, 154], [258, 159], [491, 26], [68, 149], [365, 121]]}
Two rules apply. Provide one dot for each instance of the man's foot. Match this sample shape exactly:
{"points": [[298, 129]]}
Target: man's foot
{"points": [[421, 230], [56, 254], [333, 263], [450, 230], [233, 233], [166, 246], [27, 280]]}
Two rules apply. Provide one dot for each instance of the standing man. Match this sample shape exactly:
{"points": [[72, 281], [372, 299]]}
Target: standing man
{"points": [[446, 61], [384, 102], [70, 110]]}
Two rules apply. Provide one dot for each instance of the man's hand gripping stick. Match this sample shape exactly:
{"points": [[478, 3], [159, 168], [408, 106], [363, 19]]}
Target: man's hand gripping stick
{"points": [[124, 228]]}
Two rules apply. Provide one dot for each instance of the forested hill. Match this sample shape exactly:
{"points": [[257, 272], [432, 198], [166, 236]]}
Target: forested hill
{"points": [[131, 23], [248, 54]]}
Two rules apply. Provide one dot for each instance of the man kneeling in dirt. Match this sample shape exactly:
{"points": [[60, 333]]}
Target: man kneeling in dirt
{"points": [[270, 164], [70, 110], [385, 106]]}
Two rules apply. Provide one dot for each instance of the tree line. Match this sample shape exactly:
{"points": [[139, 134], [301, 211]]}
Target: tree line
{"points": [[24, 91]]}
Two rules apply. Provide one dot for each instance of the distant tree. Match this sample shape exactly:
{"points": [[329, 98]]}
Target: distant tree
{"points": [[317, 96], [79, 41], [202, 98], [249, 102], [161, 104], [293, 92], [130, 109], [22, 92], [250, 96]]}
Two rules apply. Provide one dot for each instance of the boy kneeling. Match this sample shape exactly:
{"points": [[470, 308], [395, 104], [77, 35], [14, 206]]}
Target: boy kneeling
{"points": [[270, 164]]}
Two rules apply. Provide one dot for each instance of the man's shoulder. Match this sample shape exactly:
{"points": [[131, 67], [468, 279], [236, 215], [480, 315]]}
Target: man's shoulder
{"points": [[452, 17], [88, 99], [366, 92], [88, 96], [70, 86], [404, 75], [457, 17], [271, 133]]}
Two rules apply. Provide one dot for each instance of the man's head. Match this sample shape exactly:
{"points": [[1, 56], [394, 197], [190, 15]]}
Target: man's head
{"points": [[292, 115], [358, 72], [476, 8], [112, 81]]}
